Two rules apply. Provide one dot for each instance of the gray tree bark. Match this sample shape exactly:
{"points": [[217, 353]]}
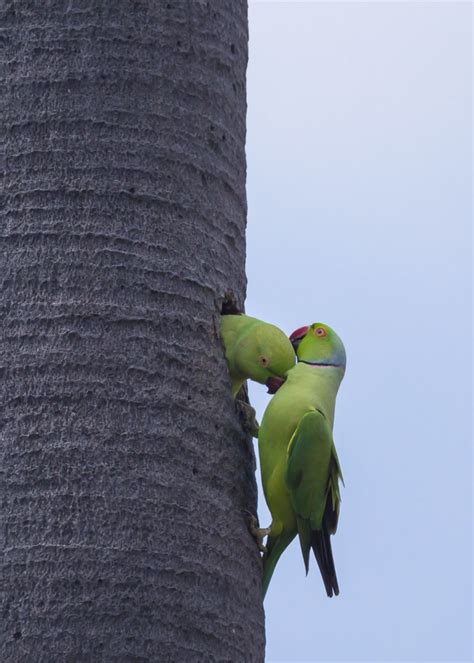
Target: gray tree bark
{"points": [[124, 472]]}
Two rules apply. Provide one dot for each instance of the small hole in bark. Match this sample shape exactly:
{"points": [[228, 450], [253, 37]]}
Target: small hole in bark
{"points": [[188, 397], [178, 43], [212, 127], [229, 305], [195, 471], [168, 6], [100, 581], [132, 189], [223, 136], [234, 87], [17, 635], [232, 48], [203, 179]]}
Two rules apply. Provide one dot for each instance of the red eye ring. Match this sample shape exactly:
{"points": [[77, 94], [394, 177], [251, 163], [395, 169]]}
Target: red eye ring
{"points": [[319, 331]]}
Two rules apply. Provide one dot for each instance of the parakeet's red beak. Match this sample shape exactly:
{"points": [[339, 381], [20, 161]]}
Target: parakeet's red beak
{"points": [[274, 384], [298, 335]]}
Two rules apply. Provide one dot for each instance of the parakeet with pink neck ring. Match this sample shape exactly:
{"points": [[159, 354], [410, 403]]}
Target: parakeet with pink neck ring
{"points": [[298, 459]]}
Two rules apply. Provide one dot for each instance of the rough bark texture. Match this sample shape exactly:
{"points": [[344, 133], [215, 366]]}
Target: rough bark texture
{"points": [[124, 472]]}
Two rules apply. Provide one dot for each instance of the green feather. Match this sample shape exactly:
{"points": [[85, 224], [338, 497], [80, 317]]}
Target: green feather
{"points": [[308, 467], [275, 547]]}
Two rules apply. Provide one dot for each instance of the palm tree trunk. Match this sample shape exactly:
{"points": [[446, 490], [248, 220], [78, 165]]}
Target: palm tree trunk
{"points": [[124, 473]]}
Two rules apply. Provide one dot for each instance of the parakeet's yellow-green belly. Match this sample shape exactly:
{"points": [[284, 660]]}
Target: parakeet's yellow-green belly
{"points": [[274, 435], [304, 390]]}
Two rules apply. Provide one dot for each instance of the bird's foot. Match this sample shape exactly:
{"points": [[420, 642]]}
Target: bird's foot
{"points": [[248, 417], [258, 533]]}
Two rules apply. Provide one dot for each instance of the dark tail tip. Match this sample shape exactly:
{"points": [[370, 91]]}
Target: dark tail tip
{"points": [[321, 545]]}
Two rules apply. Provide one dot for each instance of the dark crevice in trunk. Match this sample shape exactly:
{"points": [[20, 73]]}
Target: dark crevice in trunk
{"points": [[230, 305]]}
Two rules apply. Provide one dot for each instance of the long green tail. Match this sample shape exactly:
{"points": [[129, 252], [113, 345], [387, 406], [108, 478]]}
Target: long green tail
{"points": [[275, 546]]}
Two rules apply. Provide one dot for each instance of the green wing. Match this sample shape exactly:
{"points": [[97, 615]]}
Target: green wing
{"points": [[311, 463], [312, 478]]}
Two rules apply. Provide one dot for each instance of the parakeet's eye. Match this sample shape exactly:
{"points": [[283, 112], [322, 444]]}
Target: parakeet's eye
{"points": [[264, 361], [319, 331]]}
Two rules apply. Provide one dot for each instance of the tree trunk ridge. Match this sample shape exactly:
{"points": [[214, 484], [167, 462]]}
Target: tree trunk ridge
{"points": [[124, 472]]}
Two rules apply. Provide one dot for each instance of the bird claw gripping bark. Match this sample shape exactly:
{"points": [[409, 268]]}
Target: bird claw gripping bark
{"points": [[248, 417], [258, 533]]}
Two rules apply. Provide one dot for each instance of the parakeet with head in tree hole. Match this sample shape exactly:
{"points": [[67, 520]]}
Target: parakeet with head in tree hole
{"points": [[258, 351], [255, 350], [299, 463]]}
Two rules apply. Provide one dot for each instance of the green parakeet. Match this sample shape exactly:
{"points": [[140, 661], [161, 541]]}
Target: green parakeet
{"points": [[255, 350], [299, 464]]}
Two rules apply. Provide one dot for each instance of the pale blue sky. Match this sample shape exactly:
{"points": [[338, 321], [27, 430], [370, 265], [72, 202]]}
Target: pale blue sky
{"points": [[359, 190]]}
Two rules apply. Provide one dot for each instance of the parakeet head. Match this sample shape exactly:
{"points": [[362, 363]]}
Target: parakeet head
{"points": [[265, 355], [319, 345]]}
